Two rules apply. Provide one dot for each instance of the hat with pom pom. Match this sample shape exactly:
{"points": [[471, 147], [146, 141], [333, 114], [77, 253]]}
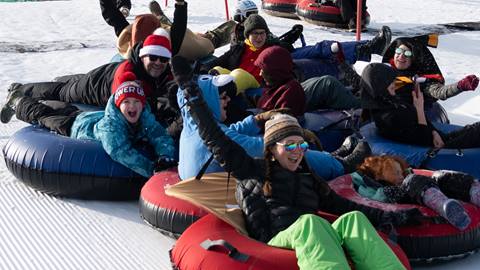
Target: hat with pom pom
{"points": [[129, 88], [157, 44]]}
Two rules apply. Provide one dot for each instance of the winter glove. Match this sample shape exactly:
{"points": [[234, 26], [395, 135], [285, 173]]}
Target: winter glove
{"points": [[468, 83], [183, 73], [263, 117], [337, 52], [163, 163], [312, 139], [125, 11]]}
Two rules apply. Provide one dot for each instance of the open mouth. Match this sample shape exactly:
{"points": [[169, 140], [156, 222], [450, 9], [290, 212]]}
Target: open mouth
{"points": [[132, 114]]}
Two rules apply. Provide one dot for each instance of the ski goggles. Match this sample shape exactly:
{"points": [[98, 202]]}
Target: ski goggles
{"points": [[289, 147], [406, 53], [154, 58]]}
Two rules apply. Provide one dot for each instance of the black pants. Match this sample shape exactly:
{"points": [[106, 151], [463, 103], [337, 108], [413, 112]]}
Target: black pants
{"points": [[467, 137], [55, 115], [112, 15], [348, 9]]}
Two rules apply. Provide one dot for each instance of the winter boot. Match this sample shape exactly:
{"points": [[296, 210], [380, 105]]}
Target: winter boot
{"points": [[354, 159], [475, 193], [378, 44], [347, 147], [156, 10], [8, 109], [450, 209]]}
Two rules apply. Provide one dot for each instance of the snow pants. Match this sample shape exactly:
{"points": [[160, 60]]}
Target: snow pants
{"points": [[319, 245], [56, 115], [327, 92]]}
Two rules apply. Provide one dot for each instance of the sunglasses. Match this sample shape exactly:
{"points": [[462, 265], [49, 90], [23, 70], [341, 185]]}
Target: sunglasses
{"points": [[406, 53], [292, 146], [154, 58]]}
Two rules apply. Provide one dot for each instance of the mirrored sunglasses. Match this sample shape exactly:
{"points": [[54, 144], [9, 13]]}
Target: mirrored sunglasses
{"points": [[406, 53], [292, 146], [154, 58]]}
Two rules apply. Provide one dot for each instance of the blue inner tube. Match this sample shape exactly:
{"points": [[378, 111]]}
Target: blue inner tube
{"points": [[465, 160], [62, 166]]}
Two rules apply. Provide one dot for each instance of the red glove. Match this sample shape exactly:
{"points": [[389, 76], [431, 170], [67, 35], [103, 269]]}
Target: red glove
{"points": [[468, 83], [337, 52]]}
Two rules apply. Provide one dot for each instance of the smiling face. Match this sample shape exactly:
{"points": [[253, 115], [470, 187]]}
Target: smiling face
{"points": [[131, 108], [224, 99], [154, 66], [400, 59], [288, 159], [258, 37]]}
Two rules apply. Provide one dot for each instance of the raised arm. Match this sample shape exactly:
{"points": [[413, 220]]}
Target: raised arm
{"points": [[179, 25]]}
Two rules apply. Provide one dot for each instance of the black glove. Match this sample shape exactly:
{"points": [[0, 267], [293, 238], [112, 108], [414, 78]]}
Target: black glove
{"points": [[411, 216], [181, 69], [163, 163]]}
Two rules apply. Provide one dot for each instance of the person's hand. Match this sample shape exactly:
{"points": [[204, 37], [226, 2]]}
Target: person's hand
{"points": [[163, 163], [469, 83], [312, 139], [437, 140], [418, 98], [337, 52], [263, 117]]}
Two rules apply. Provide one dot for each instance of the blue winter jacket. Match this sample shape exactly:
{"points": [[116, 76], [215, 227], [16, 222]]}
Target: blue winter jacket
{"points": [[194, 153], [118, 136]]}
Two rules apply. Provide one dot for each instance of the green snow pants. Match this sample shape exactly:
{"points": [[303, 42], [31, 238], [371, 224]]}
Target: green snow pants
{"points": [[318, 244]]}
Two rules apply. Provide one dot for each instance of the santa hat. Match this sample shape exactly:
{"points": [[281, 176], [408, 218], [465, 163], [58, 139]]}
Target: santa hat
{"points": [[158, 44], [129, 88]]}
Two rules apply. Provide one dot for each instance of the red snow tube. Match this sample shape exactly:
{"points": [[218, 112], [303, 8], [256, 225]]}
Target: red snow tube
{"points": [[201, 247], [325, 15], [280, 8], [433, 239], [165, 213]]}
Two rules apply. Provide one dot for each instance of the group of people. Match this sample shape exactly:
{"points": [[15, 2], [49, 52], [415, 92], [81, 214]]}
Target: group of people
{"points": [[198, 118]]}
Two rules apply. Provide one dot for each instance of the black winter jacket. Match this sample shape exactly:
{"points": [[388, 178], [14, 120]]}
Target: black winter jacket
{"points": [[293, 193]]}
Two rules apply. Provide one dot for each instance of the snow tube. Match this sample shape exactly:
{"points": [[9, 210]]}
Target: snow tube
{"points": [[433, 239], [326, 15], [169, 215], [62, 166], [280, 8], [331, 126], [201, 247], [465, 160]]}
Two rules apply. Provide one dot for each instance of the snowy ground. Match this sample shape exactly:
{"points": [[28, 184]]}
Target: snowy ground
{"points": [[41, 40]]}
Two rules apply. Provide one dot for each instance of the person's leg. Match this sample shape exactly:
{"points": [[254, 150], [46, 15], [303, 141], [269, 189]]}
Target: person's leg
{"points": [[316, 244], [347, 9], [467, 137], [59, 120], [327, 92], [362, 243], [112, 15], [222, 34], [323, 50]]}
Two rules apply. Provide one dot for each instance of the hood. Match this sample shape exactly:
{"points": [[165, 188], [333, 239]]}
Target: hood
{"points": [[376, 78], [210, 95], [423, 62], [276, 62]]}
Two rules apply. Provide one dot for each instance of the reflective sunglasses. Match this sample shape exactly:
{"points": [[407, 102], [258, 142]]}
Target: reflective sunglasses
{"points": [[154, 58], [406, 53], [292, 146]]}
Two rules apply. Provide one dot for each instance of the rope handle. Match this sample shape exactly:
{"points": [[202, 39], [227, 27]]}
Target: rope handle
{"points": [[231, 250]]}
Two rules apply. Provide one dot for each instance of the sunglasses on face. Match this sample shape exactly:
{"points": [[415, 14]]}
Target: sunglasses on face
{"points": [[289, 147], [406, 53], [154, 58]]}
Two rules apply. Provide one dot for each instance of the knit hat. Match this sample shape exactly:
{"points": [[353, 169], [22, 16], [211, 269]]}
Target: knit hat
{"points": [[158, 44], [279, 127], [253, 22], [129, 88], [225, 83]]}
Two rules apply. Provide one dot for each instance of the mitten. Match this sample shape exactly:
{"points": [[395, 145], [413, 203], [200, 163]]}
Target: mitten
{"points": [[163, 163], [468, 83], [337, 52]]}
